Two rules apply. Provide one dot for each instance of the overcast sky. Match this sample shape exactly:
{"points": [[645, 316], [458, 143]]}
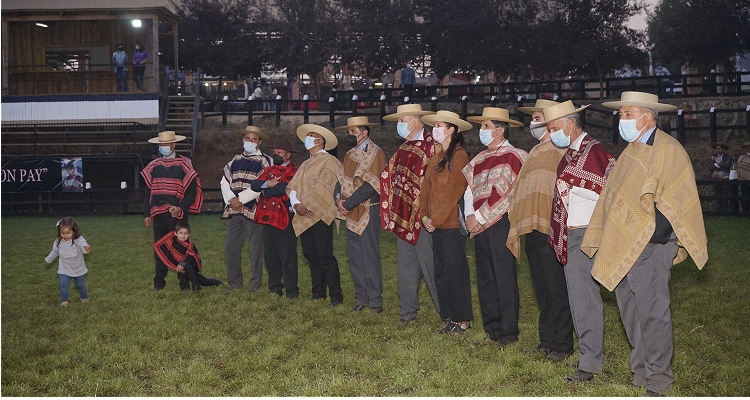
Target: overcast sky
{"points": [[639, 21]]}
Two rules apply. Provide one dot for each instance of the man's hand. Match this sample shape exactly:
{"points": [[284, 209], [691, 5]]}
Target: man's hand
{"points": [[272, 182], [180, 269], [428, 225], [472, 224], [175, 211], [301, 209], [234, 204], [340, 206], [148, 221]]}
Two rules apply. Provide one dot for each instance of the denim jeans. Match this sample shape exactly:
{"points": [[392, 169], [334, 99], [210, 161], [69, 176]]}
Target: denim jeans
{"points": [[65, 285], [122, 79]]}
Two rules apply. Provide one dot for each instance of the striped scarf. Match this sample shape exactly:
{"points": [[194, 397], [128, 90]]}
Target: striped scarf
{"points": [[172, 251], [492, 175], [587, 168], [168, 179], [400, 184]]}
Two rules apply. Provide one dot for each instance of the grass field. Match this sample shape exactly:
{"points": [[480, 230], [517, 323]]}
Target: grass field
{"points": [[131, 341]]}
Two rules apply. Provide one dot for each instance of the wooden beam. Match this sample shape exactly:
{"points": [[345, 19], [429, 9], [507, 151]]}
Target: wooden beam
{"points": [[79, 17]]}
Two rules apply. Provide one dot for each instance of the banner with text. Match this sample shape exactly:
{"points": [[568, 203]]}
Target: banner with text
{"points": [[42, 174]]}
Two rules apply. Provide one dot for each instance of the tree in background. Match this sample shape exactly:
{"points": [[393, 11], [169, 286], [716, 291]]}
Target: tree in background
{"points": [[701, 33]]}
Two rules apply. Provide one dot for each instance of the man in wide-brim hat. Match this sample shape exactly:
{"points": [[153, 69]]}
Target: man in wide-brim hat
{"points": [[359, 201], [241, 205], [311, 195], [400, 185], [648, 218], [529, 215], [580, 176], [491, 176], [172, 190], [275, 213]]}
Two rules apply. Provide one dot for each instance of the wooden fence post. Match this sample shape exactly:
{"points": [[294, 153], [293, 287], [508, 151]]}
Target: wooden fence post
{"points": [[382, 109], [305, 109], [433, 104], [353, 103], [680, 126], [249, 110], [277, 103], [464, 106], [331, 111], [224, 104], [712, 118]]}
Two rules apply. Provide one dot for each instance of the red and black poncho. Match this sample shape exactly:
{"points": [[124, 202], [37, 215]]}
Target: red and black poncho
{"points": [[172, 182], [172, 251]]}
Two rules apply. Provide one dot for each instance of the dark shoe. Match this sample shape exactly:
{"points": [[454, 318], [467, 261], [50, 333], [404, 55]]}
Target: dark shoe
{"points": [[407, 320], [580, 376], [334, 303], [376, 310], [276, 292], [453, 327], [537, 349], [216, 282], [502, 343], [358, 308], [196, 289], [156, 289], [185, 289], [557, 356], [651, 393]]}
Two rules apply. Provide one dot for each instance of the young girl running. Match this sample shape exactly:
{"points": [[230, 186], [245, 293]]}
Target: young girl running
{"points": [[71, 247]]}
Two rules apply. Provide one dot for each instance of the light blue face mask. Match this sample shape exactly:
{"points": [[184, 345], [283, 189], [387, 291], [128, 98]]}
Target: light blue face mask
{"points": [[485, 136], [249, 147], [403, 129], [627, 129], [309, 142], [165, 150], [558, 137]]}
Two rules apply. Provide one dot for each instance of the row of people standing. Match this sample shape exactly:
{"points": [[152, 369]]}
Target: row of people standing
{"points": [[430, 189], [120, 62]]}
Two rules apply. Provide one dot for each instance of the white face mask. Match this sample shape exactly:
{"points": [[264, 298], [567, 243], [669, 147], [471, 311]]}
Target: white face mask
{"points": [[627, 129], [558, 137], [438, 133], [538, 129], [403, 129], [485, 136], [165, 150], [249, 147], [309, 142]]}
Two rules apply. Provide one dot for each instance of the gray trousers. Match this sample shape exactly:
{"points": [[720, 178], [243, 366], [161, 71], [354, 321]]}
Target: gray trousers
{"points": [[364, 262], [238, 228], [586, 305], [413, 262], [643, 300]]}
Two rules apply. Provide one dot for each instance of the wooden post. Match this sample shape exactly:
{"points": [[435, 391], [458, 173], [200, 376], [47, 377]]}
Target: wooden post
{"points": [[615, 127], [493, 101], [433, 104], [305, 109], [277, 102], [223, 111], [353, 106], [464, 106], [332, 111], [712, 119], [680, 126], [382, 109], [249, 104]]}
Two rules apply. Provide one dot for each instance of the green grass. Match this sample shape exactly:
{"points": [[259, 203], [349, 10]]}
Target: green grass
{"points": [[130, 341]]}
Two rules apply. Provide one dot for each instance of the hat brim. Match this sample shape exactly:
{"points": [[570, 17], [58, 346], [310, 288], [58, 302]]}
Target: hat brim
{"points": [[242, 132], [462, 125], [530, 110], [395, 116], [615, 105], [511, 122], [576, 111], [331, 140], [177, 138], [339, 128]]}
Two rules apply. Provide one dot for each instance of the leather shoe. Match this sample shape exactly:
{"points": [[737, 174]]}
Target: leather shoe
{"points": [[358, 308], [538, 349], [452, 327], [505, 342], [557, 356], [376, 310], [334, 304], [580, 376], [407, 320]]}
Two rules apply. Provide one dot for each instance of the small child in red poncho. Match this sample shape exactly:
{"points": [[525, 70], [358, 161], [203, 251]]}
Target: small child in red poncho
{"points": [[179, 253]]}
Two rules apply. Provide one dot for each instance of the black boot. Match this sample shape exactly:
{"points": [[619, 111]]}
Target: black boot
{"points": [[196, 288]]}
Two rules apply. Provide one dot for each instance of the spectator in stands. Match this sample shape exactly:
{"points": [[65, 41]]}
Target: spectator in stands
{"points": [[140, 58], [719, 165], [662, 71], [172, 190], [408, 79], [268, 94], [743, 174], [119, 59]]}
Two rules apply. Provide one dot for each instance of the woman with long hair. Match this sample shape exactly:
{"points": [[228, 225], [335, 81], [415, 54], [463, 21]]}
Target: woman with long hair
{"points": [[443, 187]]}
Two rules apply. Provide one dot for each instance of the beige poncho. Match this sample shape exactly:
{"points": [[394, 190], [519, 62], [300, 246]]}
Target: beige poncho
{"points": [[314, 183], [624, 218]]}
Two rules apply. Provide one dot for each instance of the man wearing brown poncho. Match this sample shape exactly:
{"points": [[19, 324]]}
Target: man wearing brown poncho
{"points": [[648, 218]]}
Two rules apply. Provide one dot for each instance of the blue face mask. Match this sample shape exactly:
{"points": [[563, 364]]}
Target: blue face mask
{"points": [[627, 129], [165, 150], [403, 129], [309, 142], [249, 147], [485, 136], [559, 138]]}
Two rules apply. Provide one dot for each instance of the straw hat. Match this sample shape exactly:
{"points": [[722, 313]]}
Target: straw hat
{"points": [[639, 99], [496, 114], [746, 144], [561, 110], [723, 146], [251, 129], [447, 116], [406, 109], [330, 138], [283, 145], [540, 105], [357, 121], [167, 137]]}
